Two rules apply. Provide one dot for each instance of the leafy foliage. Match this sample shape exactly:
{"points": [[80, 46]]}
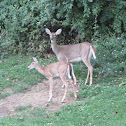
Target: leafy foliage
{"points": [[24, 22], [111, 55], [83, 20]]}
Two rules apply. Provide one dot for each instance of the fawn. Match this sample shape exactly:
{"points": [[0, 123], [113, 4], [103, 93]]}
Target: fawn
{"points": [[61, 69]]}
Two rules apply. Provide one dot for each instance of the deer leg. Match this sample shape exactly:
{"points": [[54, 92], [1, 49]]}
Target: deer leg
{"points": [[90, 70], [75, 80], [66, 86], [75, 95], [63, 86], [86, 81], [50, 88]]}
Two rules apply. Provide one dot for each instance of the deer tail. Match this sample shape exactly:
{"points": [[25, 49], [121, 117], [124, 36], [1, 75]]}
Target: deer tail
{"points": [[92, 51]]}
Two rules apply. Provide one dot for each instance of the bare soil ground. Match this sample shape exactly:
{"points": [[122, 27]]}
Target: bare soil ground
{"points": [[37, 96]]}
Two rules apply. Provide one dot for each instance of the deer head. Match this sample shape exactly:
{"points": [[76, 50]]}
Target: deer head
{"points": [[33, 64], [53, 35]]}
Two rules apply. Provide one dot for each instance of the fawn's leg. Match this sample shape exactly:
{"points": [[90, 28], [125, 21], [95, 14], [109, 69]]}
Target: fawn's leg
{"points": [[50, 88], [75, 95], [63, 78]]}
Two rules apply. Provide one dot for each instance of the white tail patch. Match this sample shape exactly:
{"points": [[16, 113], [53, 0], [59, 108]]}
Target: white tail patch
{"points": [[92, 53]]}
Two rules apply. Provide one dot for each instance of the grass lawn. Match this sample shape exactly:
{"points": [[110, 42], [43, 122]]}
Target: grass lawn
{"points": [[14, 73], [102, 104]]}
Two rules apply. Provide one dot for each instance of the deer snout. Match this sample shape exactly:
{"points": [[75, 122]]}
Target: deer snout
{"points": [[52, 37], [28, 68]]}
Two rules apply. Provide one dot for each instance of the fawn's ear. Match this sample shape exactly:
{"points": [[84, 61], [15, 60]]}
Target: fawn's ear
{"points": [[34, 58], [58, 31], [48, 31]]}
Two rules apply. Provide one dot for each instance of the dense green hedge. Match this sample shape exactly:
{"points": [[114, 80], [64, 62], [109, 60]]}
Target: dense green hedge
{"points": [[24, 22]]}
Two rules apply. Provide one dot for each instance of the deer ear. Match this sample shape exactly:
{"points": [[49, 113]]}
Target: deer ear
{"points": [[58, 31], [48, 31], [34, 58]]}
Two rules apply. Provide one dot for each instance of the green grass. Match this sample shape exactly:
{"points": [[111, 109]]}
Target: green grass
{"points": [[104, 109], [102, 104], [14, 74]]}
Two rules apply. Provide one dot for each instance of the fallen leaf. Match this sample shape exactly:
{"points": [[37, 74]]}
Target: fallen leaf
{"points": [[122, 84], [32, 108], [11, 79], [47, 105], [48, 116]]}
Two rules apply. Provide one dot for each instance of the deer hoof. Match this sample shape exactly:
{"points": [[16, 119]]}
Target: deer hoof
{"points": [[75, 84], [49, 101], [90, 84], [63, 86], [62, 101]]}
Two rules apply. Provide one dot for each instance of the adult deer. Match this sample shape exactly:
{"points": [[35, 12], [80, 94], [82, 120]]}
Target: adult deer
{"points": [[73, 53], [52, 70]]}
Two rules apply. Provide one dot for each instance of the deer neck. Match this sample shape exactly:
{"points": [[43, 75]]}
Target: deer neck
{"points": [[40, 68], [54, 46]]}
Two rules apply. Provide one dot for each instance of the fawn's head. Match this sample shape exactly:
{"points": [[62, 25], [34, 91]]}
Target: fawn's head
{"points": [[34, 64], [53, 35]]}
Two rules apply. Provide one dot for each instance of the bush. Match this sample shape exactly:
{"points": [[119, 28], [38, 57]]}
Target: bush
{"points": [[25, 21], [111, 55]]}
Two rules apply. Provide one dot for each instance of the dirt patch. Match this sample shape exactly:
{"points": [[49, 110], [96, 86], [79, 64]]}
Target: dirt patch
{"points": [[37, 96]]}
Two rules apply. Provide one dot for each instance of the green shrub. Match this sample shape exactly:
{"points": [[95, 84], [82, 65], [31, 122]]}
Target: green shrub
{"points": [[111, 55], [24, 22]]}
